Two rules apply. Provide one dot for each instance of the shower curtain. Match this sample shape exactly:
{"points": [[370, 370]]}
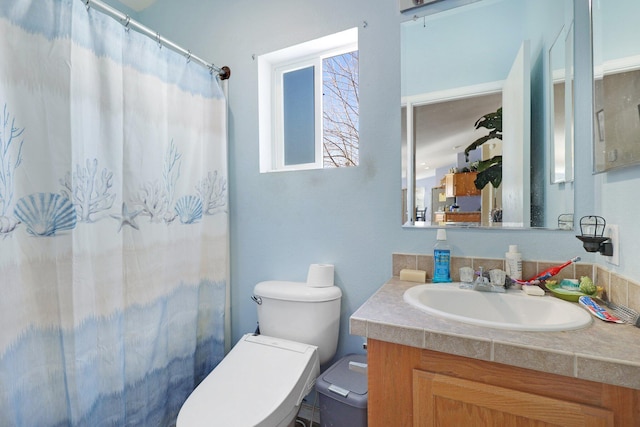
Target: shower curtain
{"points": [[113, 221]]}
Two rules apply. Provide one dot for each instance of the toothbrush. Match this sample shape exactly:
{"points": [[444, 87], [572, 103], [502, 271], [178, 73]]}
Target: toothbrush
{"points": [[548, 273]]}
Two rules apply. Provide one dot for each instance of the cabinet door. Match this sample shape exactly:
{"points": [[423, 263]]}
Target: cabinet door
{"points": [[461, 184], [449, 185], [465, 184], [441, 400]]}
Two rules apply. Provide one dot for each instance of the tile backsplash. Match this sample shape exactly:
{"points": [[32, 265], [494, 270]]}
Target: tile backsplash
{"points": [[619, 289]]}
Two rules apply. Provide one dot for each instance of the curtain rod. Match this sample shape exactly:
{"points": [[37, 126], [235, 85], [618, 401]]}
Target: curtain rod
{"points": [[127, 22]]}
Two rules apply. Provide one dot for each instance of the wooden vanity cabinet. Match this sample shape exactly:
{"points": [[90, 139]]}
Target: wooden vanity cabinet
{"points": [[415, 387], [461, 184]]}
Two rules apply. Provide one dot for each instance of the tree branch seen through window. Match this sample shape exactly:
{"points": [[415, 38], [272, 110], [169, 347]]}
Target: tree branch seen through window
{"points": [[340, 110]]}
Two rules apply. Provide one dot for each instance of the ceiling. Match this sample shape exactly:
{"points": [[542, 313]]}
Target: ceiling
{"points": [[137, 5]]}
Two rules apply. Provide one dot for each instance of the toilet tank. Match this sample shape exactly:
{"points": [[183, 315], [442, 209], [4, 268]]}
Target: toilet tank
{"points": [[298, 312]]}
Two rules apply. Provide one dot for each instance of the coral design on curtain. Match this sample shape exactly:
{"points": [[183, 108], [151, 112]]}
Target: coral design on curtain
{"points": [[113, 221]]}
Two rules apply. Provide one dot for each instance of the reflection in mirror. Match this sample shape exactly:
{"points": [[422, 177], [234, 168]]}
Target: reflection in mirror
{"points": [[616, 58], [494, 48], [561, 106], [444, 180]]}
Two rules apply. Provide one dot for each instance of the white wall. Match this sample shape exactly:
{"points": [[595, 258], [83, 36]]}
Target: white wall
{"points": [[282, 222]]}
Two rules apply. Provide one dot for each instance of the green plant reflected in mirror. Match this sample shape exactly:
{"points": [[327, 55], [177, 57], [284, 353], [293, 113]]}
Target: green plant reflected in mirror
{"points": [[489, 170]]}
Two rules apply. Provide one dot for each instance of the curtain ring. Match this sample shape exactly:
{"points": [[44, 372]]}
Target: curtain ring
{"points": [[188, 56], [87, 4], [158, 40], [126, 23]]}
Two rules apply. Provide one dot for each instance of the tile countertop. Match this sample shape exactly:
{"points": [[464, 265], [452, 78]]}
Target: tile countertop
{"points": [[602, 352]]}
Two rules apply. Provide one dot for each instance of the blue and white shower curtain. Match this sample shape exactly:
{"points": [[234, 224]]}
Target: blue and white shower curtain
{"points": [[113, 221]]}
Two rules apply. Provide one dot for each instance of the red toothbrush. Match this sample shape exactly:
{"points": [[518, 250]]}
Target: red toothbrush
{"points": [[548, 273]]}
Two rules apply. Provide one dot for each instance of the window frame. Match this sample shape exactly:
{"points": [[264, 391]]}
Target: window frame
{"points": [[271, 68], [277, 97]]}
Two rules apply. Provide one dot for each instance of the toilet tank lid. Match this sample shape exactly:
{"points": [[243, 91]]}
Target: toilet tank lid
{"points": [[296, 291]]}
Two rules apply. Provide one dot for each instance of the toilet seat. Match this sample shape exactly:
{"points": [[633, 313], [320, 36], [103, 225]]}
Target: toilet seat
{"points": [[261, 382]]}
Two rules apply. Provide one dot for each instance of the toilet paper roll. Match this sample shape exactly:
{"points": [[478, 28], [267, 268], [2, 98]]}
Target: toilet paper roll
{"points": [[320, 275]]}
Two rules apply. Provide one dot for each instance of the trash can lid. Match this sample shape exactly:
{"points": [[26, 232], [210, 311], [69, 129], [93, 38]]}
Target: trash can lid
{"points": [[340, 375]]}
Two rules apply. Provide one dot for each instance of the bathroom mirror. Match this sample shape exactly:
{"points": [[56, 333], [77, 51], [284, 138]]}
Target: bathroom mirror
{"points": [[453, 59], [616, 60], [561, 106]]}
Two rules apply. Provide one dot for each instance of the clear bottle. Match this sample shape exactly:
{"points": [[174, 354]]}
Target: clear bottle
{"points": [[441, 258]]}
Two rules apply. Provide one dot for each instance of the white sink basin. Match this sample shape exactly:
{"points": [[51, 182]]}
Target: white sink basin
{"points": [[512, 310]]}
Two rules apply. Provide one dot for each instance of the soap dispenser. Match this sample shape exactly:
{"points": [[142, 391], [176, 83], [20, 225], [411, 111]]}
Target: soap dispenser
{"points": [[441, 258]]}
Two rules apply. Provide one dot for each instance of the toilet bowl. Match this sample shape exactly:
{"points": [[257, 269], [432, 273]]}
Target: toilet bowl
{"points": [[263, 379], [261, 382]]}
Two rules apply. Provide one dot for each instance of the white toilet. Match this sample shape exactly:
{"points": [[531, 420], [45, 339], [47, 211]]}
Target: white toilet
{"points": [[263, 379]]}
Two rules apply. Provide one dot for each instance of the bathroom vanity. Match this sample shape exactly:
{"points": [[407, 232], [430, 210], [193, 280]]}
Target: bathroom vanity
{"points": [[425, 370]]}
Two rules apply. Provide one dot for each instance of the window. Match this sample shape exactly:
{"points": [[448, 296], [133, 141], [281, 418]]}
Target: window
{"points": [[308, 105]]}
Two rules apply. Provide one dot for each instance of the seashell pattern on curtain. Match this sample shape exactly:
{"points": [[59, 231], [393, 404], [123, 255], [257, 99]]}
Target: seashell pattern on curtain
{"points": [[113, 221]]}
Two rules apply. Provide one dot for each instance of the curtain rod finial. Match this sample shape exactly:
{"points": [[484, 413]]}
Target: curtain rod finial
{"points": [[225, 73]]}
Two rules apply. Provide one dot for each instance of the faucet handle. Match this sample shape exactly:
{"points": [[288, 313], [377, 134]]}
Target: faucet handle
{"points": [[480, 279]]}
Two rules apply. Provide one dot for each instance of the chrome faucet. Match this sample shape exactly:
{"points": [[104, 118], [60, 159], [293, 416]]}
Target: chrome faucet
{"points": [[483, 284]]}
